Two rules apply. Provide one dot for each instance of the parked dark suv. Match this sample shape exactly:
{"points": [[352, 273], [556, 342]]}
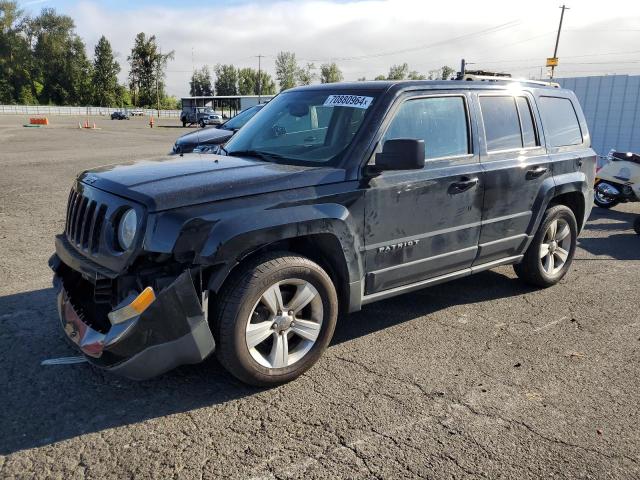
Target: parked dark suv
{"points": [[335, 196], [209, 139]]}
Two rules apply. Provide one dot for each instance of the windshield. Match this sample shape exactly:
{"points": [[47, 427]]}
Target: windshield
{"points": [[240, 119], [303, 127]]}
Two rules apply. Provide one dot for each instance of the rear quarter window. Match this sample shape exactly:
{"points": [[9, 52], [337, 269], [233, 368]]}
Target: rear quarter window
{"points": [[560, 121]]}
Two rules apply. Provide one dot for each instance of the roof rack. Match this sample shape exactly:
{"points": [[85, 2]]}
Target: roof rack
{"points": [[503, 78]]}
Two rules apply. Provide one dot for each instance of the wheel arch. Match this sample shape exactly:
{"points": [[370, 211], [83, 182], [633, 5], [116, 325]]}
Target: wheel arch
{"points": [[330, 240]]}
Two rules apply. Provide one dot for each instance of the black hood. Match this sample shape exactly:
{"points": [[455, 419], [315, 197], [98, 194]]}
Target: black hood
{"points": [[178, 181]]}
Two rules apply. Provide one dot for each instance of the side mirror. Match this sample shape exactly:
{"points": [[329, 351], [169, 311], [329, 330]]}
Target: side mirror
{"points": [[401, 154]]}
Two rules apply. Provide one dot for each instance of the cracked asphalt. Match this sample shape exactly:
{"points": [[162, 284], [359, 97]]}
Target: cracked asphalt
{"points": [[483, 377]]}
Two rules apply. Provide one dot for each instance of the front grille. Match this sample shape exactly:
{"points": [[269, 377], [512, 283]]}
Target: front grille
{"points": [[85, 220]]}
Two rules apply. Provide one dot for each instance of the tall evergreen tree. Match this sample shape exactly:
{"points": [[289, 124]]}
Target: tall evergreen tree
{"points": [[106, 91], [147, 71]]}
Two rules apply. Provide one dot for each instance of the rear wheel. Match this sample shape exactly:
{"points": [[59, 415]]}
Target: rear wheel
{"points": [[184, 123], [636, 225], [551, 251], [275, 318], [201, 123]]}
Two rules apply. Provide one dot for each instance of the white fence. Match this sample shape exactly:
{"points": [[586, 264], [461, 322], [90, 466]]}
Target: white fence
{"points": [[79, 111]]}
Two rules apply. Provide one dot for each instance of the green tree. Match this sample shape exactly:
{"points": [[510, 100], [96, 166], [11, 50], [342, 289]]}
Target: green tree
{"points": [[286, 70], [413, 75], [398, 72], [59, 60], [330, 73], [106, 91], [200, 84], [447, 72], [226, 79], [147, 71], [306, 75], [362, 79], [15, 56], [380, 77], [443, 73], [247, 81]]}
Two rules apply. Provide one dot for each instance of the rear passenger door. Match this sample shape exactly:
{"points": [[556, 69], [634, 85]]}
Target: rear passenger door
{"points": [[421, 224], [515, 165]]}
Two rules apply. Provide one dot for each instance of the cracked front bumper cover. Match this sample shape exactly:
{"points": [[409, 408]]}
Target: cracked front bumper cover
{"points": [[172, 331]]}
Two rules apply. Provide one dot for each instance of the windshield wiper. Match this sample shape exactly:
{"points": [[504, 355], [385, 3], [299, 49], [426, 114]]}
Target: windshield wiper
{"points": [[266, 156]]}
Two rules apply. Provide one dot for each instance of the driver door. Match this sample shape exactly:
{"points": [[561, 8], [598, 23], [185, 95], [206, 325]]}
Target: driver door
{"points": [[425, 224]]}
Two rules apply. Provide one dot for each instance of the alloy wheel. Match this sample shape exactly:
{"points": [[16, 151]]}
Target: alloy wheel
{"points": [[284, 323], [555, 246]]}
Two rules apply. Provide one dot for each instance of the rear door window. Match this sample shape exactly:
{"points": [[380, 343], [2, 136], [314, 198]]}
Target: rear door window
{"points": [[501, 123], [561, 126], [529, 138], [440, 121]]}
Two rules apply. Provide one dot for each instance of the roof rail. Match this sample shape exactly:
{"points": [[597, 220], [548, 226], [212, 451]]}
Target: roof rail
{"points": [[496, 78]]}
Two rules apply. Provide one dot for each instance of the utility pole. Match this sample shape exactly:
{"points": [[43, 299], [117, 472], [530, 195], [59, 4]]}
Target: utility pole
{"points": [[158, 62], [553, 62], [259, 78]]}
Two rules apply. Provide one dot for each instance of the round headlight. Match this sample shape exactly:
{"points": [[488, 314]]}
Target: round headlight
{"points": [[127, 229]]}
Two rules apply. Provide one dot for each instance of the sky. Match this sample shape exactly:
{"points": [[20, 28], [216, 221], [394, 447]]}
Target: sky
{"points": [[365, 37]]}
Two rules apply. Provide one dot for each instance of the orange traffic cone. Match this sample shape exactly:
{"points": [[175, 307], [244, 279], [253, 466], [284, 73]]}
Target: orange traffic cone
{"points": [[151, 121]]}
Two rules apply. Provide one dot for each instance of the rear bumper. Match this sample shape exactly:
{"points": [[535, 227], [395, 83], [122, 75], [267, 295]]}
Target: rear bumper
{"points": [[172, 331]]}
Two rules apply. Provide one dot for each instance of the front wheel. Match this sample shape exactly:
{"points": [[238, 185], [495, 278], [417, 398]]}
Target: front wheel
{"points": [[275, 317], [636, 225], [201, 123], [551, 251]]}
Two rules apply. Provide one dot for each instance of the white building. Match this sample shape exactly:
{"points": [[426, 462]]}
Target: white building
{"points": [[611, 104]]}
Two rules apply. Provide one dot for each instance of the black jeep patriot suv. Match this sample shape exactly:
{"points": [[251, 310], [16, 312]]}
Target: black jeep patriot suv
{"points": [[330, 198]]}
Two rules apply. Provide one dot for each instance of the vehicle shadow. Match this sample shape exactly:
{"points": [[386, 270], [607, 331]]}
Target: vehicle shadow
{"points": [[46, 404], [483, 287], [620, 246]]}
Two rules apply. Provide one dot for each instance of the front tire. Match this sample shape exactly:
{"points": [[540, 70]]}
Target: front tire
{"points": [[201, 123], [551, 251], [275, 317], [636, 225]]}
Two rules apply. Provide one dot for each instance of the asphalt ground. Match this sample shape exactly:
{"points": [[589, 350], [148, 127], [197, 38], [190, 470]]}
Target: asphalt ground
{"points": [[482, 377]]}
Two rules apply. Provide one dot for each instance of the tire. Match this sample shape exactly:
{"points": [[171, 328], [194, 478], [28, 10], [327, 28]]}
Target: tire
{"points": [[184, 123], [636, 225], [602, 202], [246, 306], [540, 265], [201, 123]]}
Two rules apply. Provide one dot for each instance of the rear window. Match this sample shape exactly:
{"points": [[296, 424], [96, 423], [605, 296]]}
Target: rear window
{"points": [[561, 126]]}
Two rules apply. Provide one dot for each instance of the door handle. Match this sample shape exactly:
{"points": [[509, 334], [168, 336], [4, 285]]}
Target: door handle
{"points": [[536, 172], [463, 185]]}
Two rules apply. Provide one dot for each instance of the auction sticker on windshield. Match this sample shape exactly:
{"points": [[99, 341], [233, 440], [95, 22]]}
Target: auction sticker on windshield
{"points": [[348, 101]]}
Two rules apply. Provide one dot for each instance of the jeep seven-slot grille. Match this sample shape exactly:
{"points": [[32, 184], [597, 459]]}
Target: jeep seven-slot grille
{"points": [[85, 220]]}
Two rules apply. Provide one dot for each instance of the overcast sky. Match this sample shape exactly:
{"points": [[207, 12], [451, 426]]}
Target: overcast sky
{"points": [[365, 37]]}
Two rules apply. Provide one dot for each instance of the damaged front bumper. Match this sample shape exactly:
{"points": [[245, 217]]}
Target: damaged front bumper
{"points": [[141, 339]]}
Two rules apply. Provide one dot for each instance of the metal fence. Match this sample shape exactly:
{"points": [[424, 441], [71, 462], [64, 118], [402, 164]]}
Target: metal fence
{"points": [[611, 106], [79, 111]]}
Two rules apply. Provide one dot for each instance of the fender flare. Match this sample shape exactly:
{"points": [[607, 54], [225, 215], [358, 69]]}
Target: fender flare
{"points": [[574, 182], [233, 239]]}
